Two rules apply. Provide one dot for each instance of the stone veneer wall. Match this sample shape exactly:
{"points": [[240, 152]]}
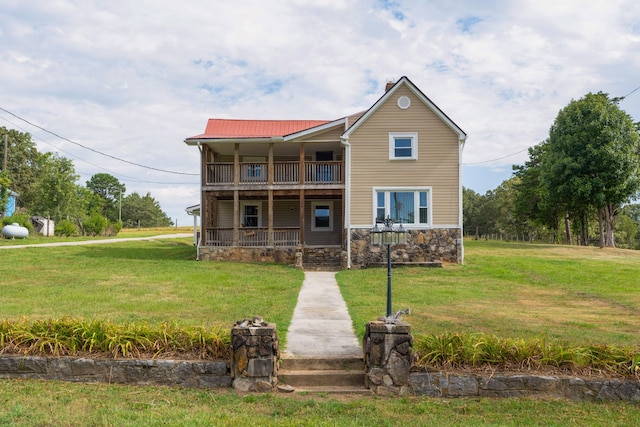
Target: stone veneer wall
{"points": [[443, 384], [192, 374], [430, 246], [207, 374], [280, 255]]}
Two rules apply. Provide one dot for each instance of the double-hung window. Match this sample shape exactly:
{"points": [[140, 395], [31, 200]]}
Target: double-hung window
{"points": [[408, 206], [251, 214], [322, 216], [403, 146]]}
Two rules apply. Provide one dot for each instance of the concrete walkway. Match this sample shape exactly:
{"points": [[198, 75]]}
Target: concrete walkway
{"points": [[321, 325]]}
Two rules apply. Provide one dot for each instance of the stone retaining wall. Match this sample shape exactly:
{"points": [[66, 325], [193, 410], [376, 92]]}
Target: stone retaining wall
{"points": [[423, 247], [209, 374], [441, 384], [192, 374]]}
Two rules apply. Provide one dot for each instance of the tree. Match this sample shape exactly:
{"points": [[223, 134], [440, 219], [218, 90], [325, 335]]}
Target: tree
{"points": [[56, 193], [22, 163], [5, 192], [143, 211], [592, 161], [532, 204], [110, 190]]}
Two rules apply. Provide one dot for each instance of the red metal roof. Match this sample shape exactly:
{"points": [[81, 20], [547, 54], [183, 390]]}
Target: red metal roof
{"points": [[232, 128]]}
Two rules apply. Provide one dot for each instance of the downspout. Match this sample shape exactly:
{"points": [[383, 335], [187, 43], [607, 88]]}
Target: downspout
{"points": [[460, 199], [201, 205], [347, 194]]}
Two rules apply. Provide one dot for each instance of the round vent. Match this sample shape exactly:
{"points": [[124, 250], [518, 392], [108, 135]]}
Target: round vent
{"points": [[404, 102]]}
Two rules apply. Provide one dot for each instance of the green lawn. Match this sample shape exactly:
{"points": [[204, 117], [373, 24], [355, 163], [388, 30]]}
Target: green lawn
{"points": [[152, 282], [36, 403], [508, 289], [513, 290]]}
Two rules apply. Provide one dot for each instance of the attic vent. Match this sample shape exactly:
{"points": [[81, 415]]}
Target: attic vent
{"points": [[404, 102]]}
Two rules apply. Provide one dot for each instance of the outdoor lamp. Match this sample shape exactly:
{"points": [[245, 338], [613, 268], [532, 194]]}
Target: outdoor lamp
{"points": [[388, 236]]}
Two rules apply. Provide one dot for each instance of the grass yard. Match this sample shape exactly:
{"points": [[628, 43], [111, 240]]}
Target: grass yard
{"points": [[578, 295], [573, 294], [146, 281], [29, 403]]}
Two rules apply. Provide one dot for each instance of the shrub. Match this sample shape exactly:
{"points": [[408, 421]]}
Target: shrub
{"points": [[95, 225], [66, 228], [22, 219], [113, 228], [68, 336]]}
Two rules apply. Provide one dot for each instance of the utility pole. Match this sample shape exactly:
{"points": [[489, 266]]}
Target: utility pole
{"points": [[6, 148]]}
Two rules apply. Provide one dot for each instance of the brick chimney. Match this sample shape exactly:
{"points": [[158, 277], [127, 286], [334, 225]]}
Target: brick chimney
{"points": [[389, 85]]}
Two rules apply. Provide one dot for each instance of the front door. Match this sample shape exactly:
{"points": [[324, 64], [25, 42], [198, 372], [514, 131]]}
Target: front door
{"points": [[324, 172]]}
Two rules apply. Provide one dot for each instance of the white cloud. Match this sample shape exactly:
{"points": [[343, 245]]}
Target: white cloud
{"points": [[133, 79]]}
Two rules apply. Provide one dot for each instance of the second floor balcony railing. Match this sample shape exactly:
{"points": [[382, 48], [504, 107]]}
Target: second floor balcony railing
{"points": [[319, 173]]}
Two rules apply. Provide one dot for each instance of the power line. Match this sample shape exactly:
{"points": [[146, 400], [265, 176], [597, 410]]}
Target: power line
{"points": [[496, 159], [630, 92], [120, 176], [96, 151]]}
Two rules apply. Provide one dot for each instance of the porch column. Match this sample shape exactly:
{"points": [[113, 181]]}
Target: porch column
{"points": [[301, 216], [236, 195], [302, 163], [270, 168], [236, 164], [270, 208], [236, 217], [270, 180]]}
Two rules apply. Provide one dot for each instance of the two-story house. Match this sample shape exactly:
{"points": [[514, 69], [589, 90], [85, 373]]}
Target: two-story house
{"points": [[308, 192]]}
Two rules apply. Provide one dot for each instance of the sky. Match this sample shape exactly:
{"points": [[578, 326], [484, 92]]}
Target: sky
{"points": [[122, 83]]}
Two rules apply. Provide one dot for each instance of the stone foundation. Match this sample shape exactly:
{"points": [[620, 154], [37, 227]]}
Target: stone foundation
{"points": [[279, 255], [255, 353], [323, 257], [424, 247], [387, 357]]}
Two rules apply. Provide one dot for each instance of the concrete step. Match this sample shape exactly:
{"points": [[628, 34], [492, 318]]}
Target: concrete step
{"points": [[322, 378], [323, 375], [322, 363], [334, 390]]}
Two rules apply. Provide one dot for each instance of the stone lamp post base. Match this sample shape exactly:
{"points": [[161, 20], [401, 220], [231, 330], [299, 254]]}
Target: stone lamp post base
{"points": [[387, 357]]}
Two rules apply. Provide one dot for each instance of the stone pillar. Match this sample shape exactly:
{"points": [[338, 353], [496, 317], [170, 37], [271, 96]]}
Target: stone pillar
{"points": [[255, 353], [387, 357]]}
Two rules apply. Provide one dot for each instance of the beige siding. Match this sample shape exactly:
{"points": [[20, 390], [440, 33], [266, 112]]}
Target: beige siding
{"points": [[330, 135], [436, 166]]}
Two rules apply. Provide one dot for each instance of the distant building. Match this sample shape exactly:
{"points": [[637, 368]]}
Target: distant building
{"points": [[10, 207]]}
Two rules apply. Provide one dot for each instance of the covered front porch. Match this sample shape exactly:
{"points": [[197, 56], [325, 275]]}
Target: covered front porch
{"points": [[273, 218]]}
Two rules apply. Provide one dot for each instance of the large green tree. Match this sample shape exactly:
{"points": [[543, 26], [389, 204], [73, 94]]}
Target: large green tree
{"points": [[110, 191], [143, 211], [22, 163], [592, 162], [532, 205], [56, 194]]}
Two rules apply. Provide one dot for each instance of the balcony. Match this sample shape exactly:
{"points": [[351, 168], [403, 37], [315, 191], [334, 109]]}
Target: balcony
{"points": [[284, 173]]}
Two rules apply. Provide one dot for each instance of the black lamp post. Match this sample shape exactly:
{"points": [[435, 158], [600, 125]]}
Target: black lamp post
{"points": [[388, 235]]}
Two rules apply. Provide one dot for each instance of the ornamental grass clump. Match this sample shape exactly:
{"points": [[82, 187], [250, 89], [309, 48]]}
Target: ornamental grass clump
{"points": [[69, 337], [479, 351]]}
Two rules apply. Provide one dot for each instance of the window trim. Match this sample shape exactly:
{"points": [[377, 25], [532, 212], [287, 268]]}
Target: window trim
{"points": [[404, 135], [245, 203], [416, 197], [313, 215]]}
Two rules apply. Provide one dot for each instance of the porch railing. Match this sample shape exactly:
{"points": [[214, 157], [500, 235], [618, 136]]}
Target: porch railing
{"points": [[258, 236], [320, 173]]}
